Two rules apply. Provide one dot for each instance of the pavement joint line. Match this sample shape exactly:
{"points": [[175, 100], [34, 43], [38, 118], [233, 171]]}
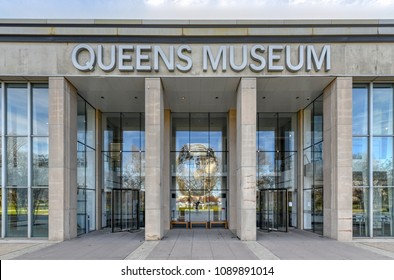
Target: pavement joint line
{"points": [[23, 251], [260, 251], [373, 249], [142, 252]]}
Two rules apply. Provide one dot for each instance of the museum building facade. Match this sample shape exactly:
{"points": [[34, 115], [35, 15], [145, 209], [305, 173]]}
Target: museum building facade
{"points": [[154, 124]]}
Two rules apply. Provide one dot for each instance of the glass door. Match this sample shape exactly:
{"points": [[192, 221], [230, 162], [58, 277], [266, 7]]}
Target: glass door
{"points": [[125, 209], [273, 210]]}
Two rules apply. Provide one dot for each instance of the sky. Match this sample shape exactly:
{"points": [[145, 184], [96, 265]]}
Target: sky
{"points": [[197, 9]]}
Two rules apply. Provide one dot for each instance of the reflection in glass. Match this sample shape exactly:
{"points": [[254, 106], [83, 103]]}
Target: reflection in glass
{"points": [[40, 109], [81, 121], [40, 161], [383, 211], [307, 122], [40, 212], [382, 109], [17, 109], [318, 120], [131, 170], [360, 111], [382, 161], [81, 165], [90, 168], [17, 161], [17, 212], [360, 161], [131, 132], [360, 212], [81, 211], [266, 170], [111, 130]]}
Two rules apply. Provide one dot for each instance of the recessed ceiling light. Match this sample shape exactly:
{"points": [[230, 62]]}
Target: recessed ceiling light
{"points": [[217, 97], [297, 97], [263, 97], [183, 98], [135, 97], [102, 97]]}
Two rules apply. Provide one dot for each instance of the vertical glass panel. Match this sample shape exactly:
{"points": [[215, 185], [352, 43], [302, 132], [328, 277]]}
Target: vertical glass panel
{"points": [[1, 209], [318, 165], [308, 168], [90, 126], [180, 131], [267, 132], [360, 161], [40, 161], [142, 179], [383, 211], [218, 132], [17, 212], [318, 120], [112, 170], [40, 212], [131, 132], [317, 210], [91, 209], [40, 109], [17, 123], [266, 166], [17, 161], [111, 128], [81, 120], [287, 175], [382, 109], [382, 161], [81, 211], [1, 111], [308, 126], [287, 124], [81, 165], [131, 170], [199, 129], [90, 168], [360, 111], [142, 132], [308, 209], [1, 159], [360, 212]]}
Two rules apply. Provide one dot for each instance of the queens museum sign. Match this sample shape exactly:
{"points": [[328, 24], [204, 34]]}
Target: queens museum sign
{"points": [[149, 58]]}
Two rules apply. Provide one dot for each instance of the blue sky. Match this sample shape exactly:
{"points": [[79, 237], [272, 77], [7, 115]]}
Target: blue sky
{"points": [[198, 9]]}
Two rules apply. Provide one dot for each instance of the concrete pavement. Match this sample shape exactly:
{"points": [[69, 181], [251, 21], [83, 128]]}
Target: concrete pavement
{"points": [[200, 244]]}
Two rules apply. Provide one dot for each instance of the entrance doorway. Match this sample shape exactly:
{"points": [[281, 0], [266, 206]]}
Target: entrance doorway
{"points": [[125, 210], [273, 214]]}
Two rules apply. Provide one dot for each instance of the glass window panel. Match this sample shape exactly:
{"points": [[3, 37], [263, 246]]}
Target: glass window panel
{"points": [[317, 121], [360, 161], [131, 170], [287, 124], [131, 131], [308, 126], [199, 129], [286, 170], [17, 123], [90, 126], [90, 168], [266, 166], [360, 111], [81, 165], [382, 161], [318, 165], [266, 133], [218, 132], [17, 161], [383, 212], [81, 211], [40, 161], [1, 159], [1, 111], [1, 209], [308, 209], [142, 132], [112, 170], [111, 129], [91, 209], [40, 212], [360, 212], [308, 168], [317, 210], [17, 212], [382, 109], [180, 131], [40, 109], [142, 171], [81, 120]]}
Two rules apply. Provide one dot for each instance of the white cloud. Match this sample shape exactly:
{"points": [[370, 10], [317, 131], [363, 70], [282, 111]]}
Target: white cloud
{"points": [[198, 9]]}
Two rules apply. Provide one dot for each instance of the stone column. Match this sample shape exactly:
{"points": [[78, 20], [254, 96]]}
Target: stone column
{"points": [[62, 159], [232, 170], [154, 134], [166, 169], [337, 159], [246, 159]]}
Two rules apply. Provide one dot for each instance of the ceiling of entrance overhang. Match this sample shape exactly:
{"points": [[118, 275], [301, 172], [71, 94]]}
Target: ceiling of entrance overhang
{"points": [[196, 94]]}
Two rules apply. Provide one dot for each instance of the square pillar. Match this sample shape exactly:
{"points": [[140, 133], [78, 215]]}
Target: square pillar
{"points": [[246, 159], [232, 134], [154, 137], [166, 169], [337, 159], [62, 160]]}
